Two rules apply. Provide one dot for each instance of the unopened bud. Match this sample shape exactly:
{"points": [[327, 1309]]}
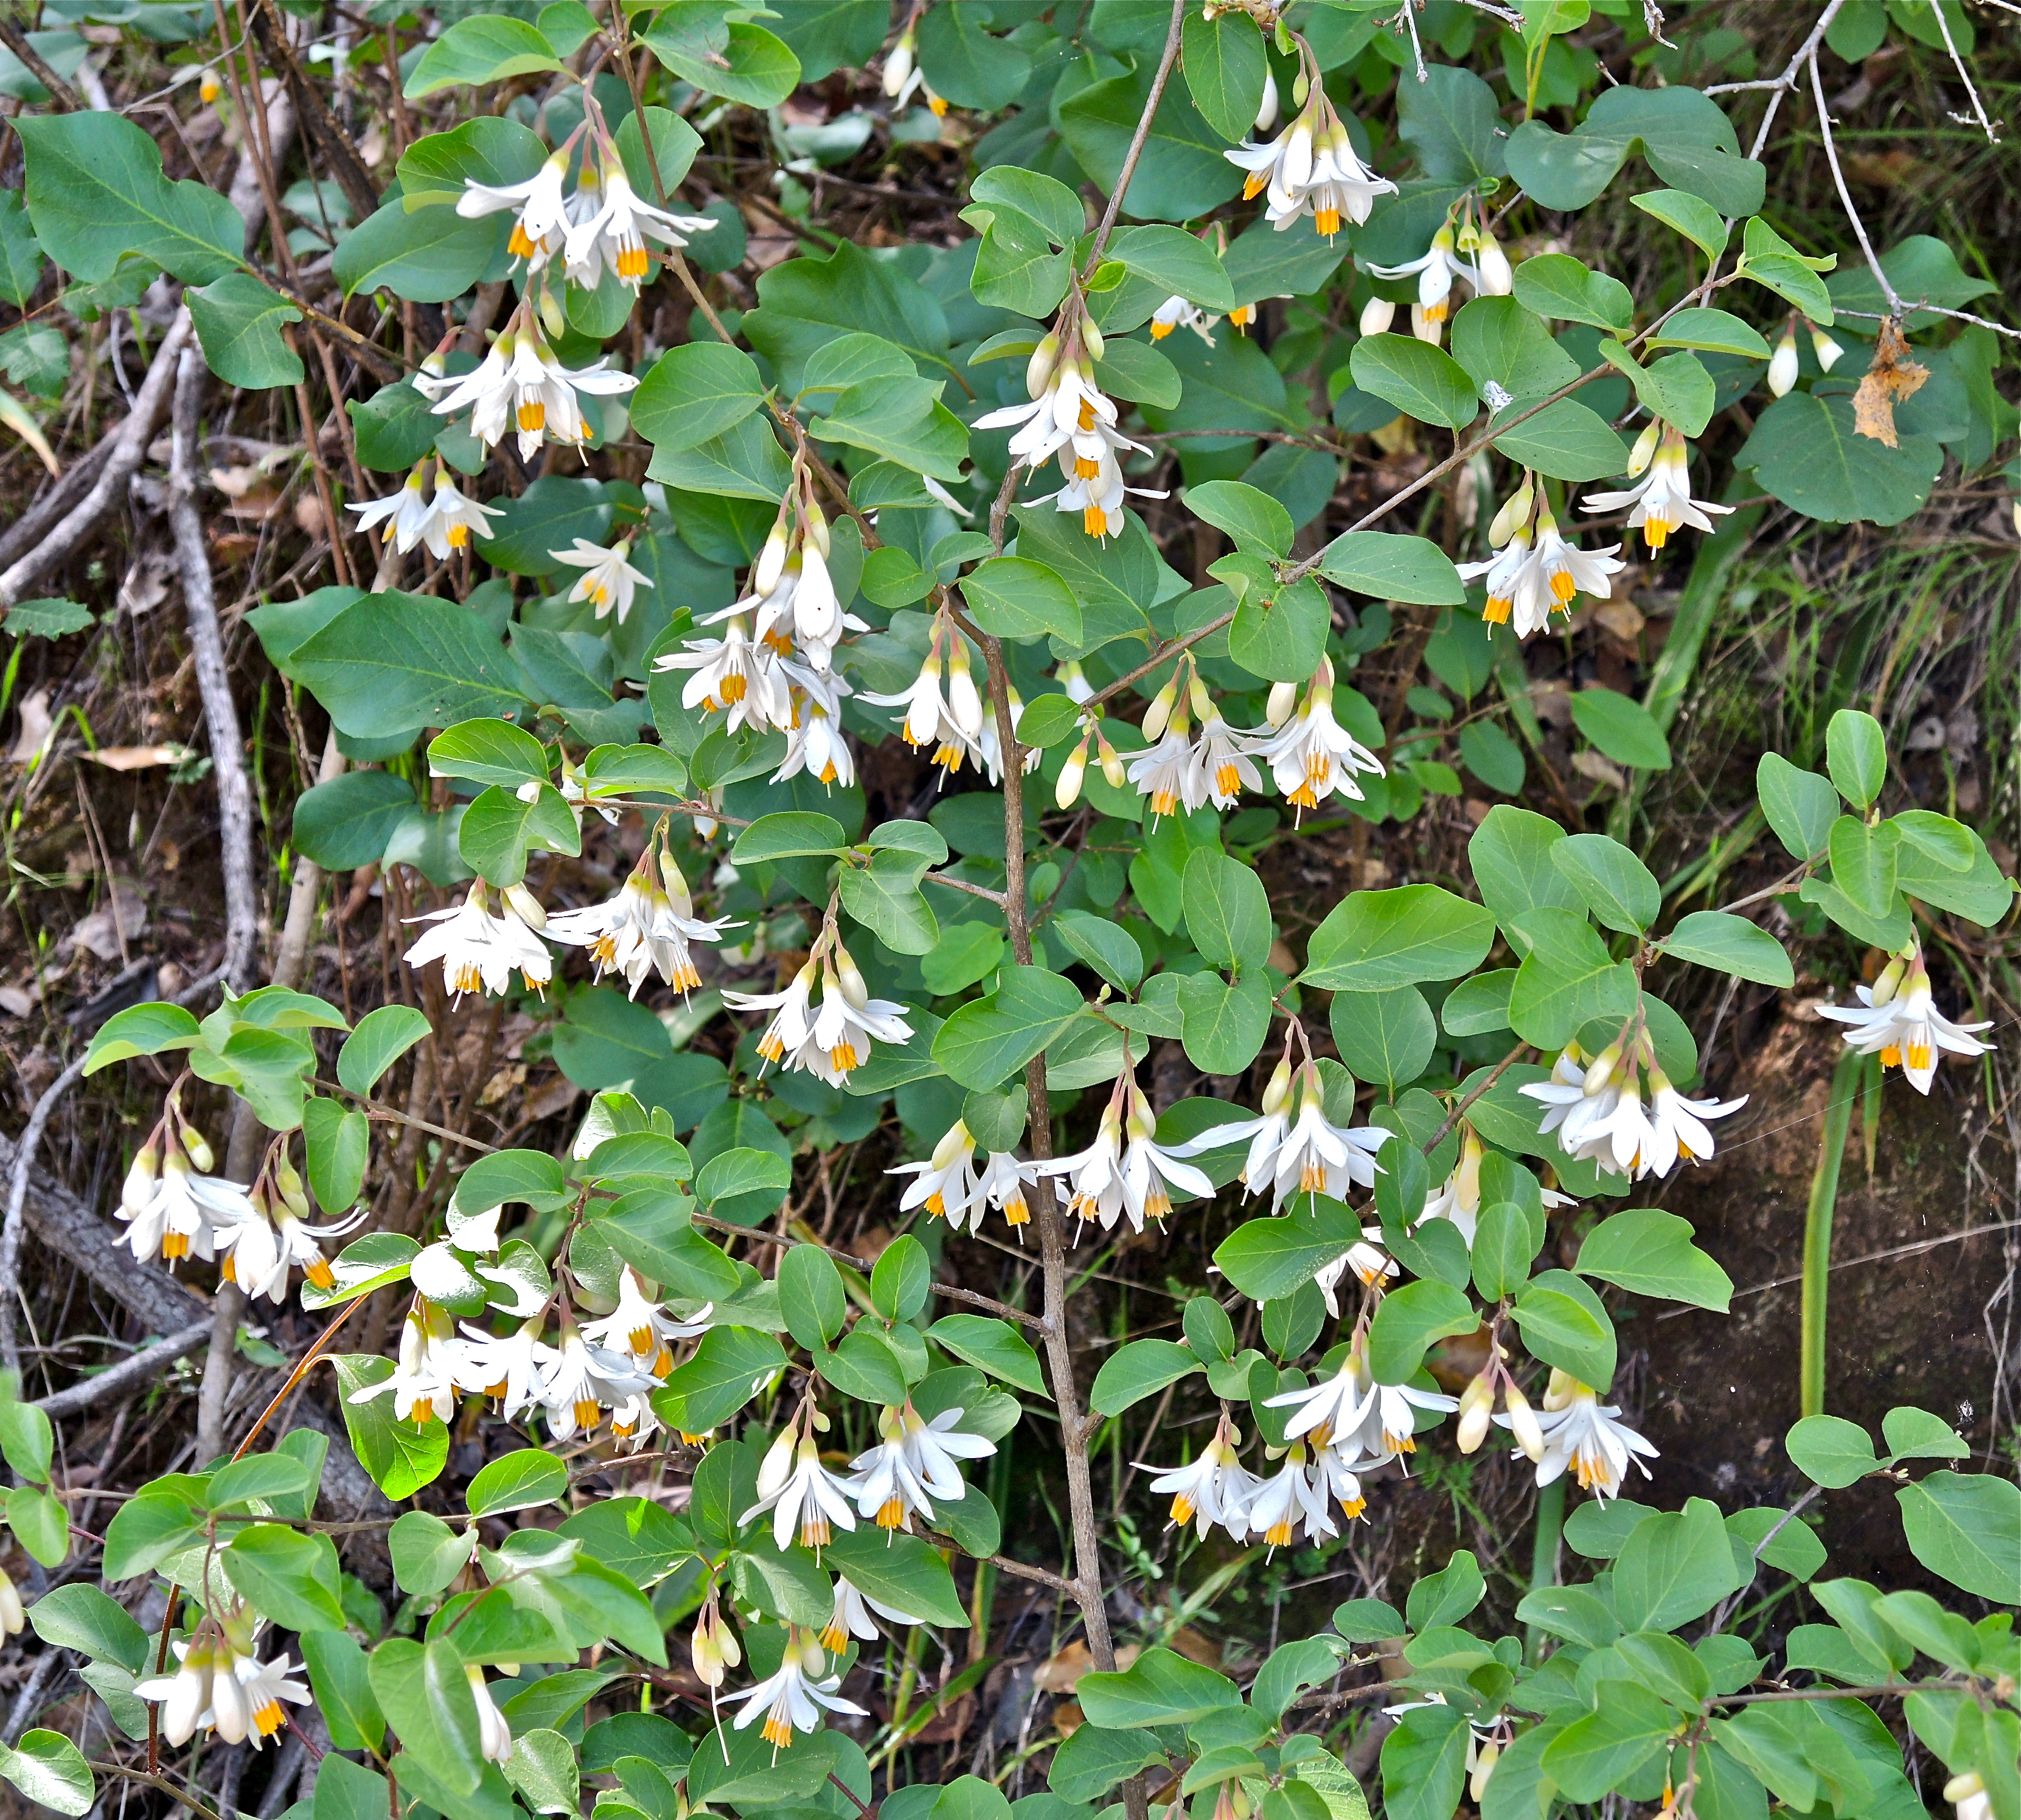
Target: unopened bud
{"points": [[1484, 1766], [1267, 113], [1090, 339], [1644, 451], [852, 988], [1476, 1410], [197, 1148], [1111, 766], [1599, 1071], [1377, 314], [771, 563], [1889, 982], [818, 534], [551, 317], [1523, 1424], [1160, 712], [1783, 366], [1496, 278], [139, 1186], [1038, 369], [1515, 513], [1284, 698], [1825, 349], [1067, 793], [527, 906]]}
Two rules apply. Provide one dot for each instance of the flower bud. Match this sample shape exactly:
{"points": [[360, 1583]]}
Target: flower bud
{"points": [[288, 1180], [1514, 513], [198, 1150], [1825, 348], [898, 67], [1067, 793], [550, 308], [1266, 114], [1644, 451], [1783, 366], [1301, 88], [1277, 1089], [1523, 1424], [12, 1616], [1090, 339], [1599, 1071], [528, 908], [1497, 280], [1069, 678], [771, 563], [818, 534], [1477, 1406], [1160, 712], [1038, 369], [1483, 1768], [138, 1189], [1889, 982], [1111, 766], [1377, 314], [851, 981], [1284, 698]]}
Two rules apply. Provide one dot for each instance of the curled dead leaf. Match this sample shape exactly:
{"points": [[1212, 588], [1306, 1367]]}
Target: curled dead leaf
{"points": [[1892, 377], [138, 758]]}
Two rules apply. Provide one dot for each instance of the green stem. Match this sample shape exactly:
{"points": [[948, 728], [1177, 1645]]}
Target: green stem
{"points": [[1544, 1553], [1843, 1090]]}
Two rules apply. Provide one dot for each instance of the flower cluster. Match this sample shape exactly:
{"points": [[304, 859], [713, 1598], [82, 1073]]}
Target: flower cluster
{"points": [[173, 1205], [1895, 1020], [1534, 571], [1464, 248], [1311, 168], [1125, 1172], [1596, 1107], [1661, 500], [443, 520], [646, 928], [951, 1185], [220, 1685], [833, 1036]]}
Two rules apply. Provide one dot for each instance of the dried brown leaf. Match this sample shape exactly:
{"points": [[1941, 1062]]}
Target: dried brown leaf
{"points": [[1892, 377]]}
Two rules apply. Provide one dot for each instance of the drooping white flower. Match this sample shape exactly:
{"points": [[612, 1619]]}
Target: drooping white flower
{"points": [[426, 1370], [608, 579], [520, 384], [1435, 271], [1536, 571], [1066, 407], [1783, 365], [934, 1446], [1366, 1259], [1333, 1405], [733, 676], [647, 926], [834, 1037], [1096, 488], [1969, 1796], [505, 1367], [1178, 313], [1292, 1501], [540, 204], [494, 1736], [258, 1254], [264, 1686], [1677, 1126], [1311, 168], [950, 721], [643, 1327], [815, 742], [1586, 1437], [614, 235], [945, 1183], [479, 948], [791, 1700], [1312, 756], [1661, 500], [806, 1500], [580, 1381], [1214, 1488], [184, 1696], [1316, 1156], [991, 742], [1123, 1173], [1897, 1019], [183, 1211], [1169, 772], [1458, 1197], [404, 514]]}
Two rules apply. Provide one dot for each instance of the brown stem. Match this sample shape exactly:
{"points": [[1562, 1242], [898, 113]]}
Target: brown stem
{"points": [[1169, 57]]}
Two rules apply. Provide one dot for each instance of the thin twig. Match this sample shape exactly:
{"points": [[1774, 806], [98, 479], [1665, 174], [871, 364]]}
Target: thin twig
{"points": [[1845, 196], [17, 1201], [143, 1367], [1169, 57]]}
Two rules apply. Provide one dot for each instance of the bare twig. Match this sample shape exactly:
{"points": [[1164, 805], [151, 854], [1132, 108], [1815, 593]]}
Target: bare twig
{"points": [[128, 447], [65, 99], [17, 1199], [1169, 57], [130, 1374], [1845, 196]]}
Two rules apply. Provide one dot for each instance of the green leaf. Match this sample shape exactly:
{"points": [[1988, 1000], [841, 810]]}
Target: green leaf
{"points": [[1376, 940], [812, 1300], [479, 51], [791, 834], [1557, 286], [717, 1380], [96, 191], [1386, 1037], [1138, 1369], [141, 1030], [1677, 389], [1511, 854], [1111, 951], [488, 751], [884, 896], [1161, 1688], [399, 1457], [1225, 1024], [1714, 330], [428, 255], [1801, 805], [50, 1770], [1181, 174], [965, 64], [1424, 1763], [985, 1042], [1225, 66], [1388, 566], [1967, 1529], [1862, 863], [1267, 1259], [382, 1037], [1248, 515], [1622, 729], [1129, 369], [1012, 597], [1174, 262], [290, 1577], [1422, 382], [238, 321], [1563, 1324], [1619, 891], [1598, 1753], [1650, 1253], [1805, 451], [20, 256], [427, 1699], [1697, 220], [426, 1554], [739, 61], [1675, 1566], [694, 392], [1408, 1321], [390, 663], [1857, 755], [337, 1143], [1496, 338], [1047, 201], [744, 1184], [991, 1346], [145, 1530], [346, 823], [500, 827], [1452, 121], [522, 1480], [1227, 911], [1565, 440], [81, 1617], [1688, 142], [1730, 944], [902, 1571]]}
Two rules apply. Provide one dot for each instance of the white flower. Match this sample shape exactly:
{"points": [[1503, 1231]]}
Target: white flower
{"points": [[494, 1736], [805, 1498], [1223, 759], [539, 203], [1002, 1183], [615, 233], [1458, 1196], [1663, 499], [1533, 577], [1897, 1019], [1365, 1258], [608, 578], [1096, 489], [1312, 756], [945, 1183], [1215, 1488], [505, 1367], [734, 676], [1311, 168], [1968, 1797], [1317, 1156], [184, 1696], [1124, 1171], [1067, 407], [13, 1615], [914, 1462], [259, 1255], [933, 1447], [851, 1618], [991, 744], [184, 1212], [1783, 365], [646, 926], [1582, 1434], [1289, 1499], [426, 1370], [454, 518], [578, 1381], [1177, 313], [951, 723], [520, 384], [479, 949], [1599, 1115], [643, 1327], [815, 742], [404, 514], [1677, 1126], [1435, 272], [264, 1686], [1169, 773], [1332, 1405], [791, 1700], [1333, 1472], [836, 1038]]}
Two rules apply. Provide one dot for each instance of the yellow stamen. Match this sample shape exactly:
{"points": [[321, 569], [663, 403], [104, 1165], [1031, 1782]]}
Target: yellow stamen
{"points": [[632, 264], [733, 688], [1252, 187], [938, 106], [1920, 1055], [467, 977], [1279, 1534], [1496, 612], [1094, 521], [1328, 221], [835, 1639], [935, 1206], [1183, 1508], [267, 1719], [589, 1412], [1160, 330], [533, 416], [459, 537], [891, 1513], [320, 1273], [1015, 1212], [1891, 1056], [815, 1532], [1085, 469], [519, 246], [663, 1362], [777, 1733], [1656, 531], [174, 1245], [1242, 315], [228, 1270], [843, 1057]]}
